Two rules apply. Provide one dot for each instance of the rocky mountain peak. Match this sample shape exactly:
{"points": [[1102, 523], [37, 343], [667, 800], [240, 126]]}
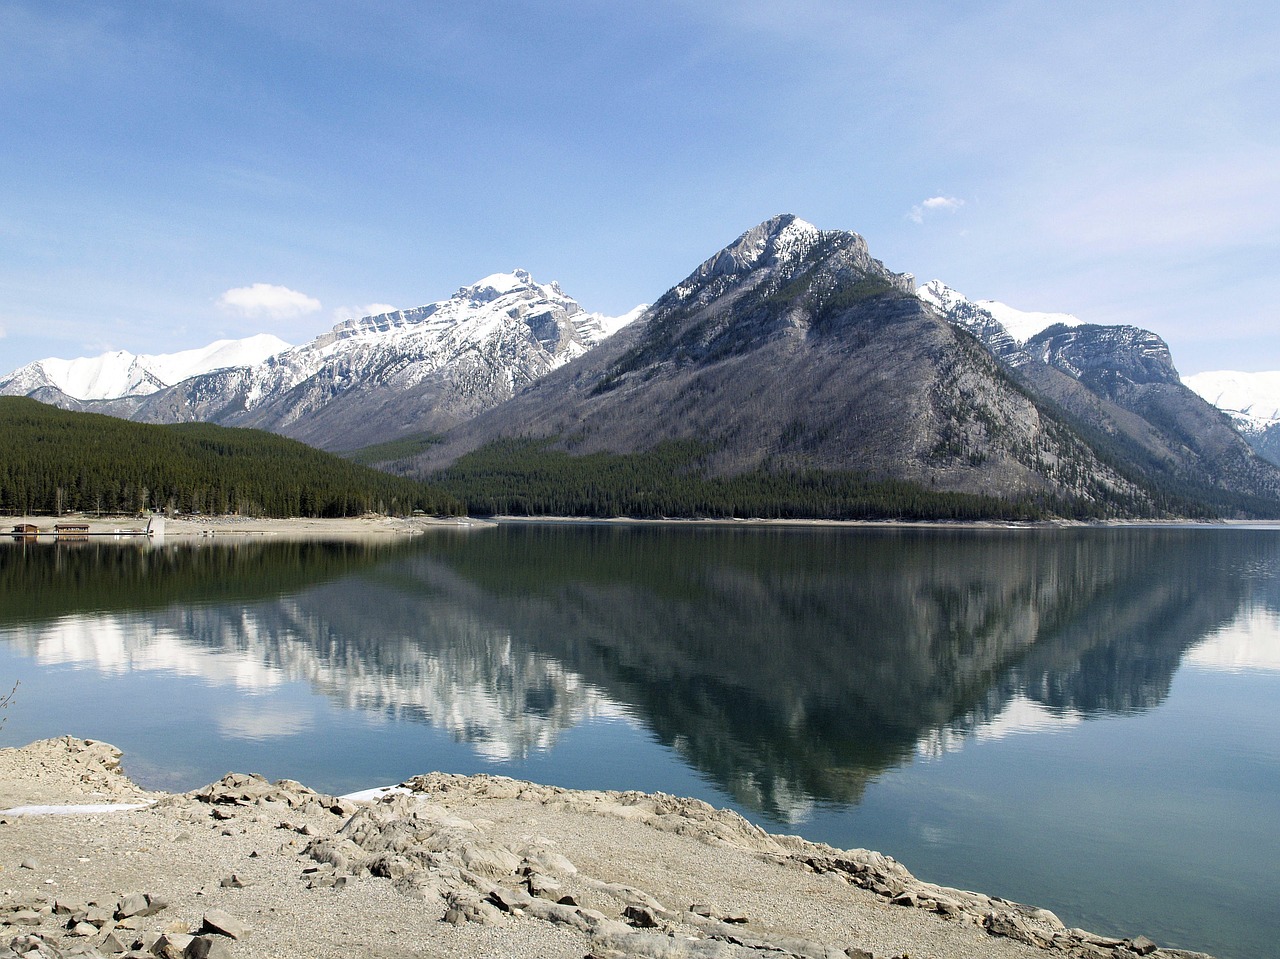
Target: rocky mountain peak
{"points": [[1087, 352], [777, 253]]}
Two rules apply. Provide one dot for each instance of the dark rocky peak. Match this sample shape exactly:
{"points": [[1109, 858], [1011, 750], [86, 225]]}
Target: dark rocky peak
{"points": [[1093, 352], [774, 255], [783, 278]]}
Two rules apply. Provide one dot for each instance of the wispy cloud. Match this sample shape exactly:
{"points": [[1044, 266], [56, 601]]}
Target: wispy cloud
{"points": [[356, 312], [935, 204], [268, 300]]}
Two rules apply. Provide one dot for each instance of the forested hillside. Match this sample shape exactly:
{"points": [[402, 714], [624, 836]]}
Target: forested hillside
{"points": [[52, 460], [528, 477]]}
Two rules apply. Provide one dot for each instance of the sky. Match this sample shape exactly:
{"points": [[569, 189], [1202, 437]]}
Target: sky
{"points": [[176, 173]]}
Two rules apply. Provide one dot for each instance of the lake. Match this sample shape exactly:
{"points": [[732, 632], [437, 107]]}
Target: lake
{"points": [[1084, 719]]}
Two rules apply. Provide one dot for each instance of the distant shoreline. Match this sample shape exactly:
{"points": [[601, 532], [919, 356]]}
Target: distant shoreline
{"points": [[182, 528]]}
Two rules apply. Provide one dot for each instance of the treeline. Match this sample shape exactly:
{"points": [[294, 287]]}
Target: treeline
{"points": [[56, 461], [524, 477]]}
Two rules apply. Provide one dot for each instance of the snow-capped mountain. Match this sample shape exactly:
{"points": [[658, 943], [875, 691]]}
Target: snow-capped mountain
{"points": [[1250, 398], [410, 371], [1018, 324], [120, 374]]}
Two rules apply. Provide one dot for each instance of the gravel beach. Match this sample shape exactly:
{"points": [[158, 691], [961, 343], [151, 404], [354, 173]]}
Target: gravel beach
{"points": [[456, 866]]}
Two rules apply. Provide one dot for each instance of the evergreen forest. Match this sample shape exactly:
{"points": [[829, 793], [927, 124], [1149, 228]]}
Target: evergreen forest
{"points": [[55, 461], [525, 477]]}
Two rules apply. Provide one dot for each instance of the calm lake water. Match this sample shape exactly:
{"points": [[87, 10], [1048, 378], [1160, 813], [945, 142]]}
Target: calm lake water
{"points": [[1083, 719]]}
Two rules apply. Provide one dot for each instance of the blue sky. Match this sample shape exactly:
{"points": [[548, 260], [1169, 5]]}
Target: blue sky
{"points": [[176, 172]]}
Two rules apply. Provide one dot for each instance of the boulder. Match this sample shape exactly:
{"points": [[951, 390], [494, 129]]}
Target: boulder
{"points": [[222, 923]]}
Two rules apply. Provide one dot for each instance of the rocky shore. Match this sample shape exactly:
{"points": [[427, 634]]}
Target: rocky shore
{"points": [[458, 866]]}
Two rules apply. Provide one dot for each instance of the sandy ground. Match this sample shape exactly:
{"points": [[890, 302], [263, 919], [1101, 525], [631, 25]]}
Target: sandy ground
{"points": [[462, 866]]}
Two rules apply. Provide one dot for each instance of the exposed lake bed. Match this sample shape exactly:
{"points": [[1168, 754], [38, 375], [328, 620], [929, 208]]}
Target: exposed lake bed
{"points": [[1022, 712]]}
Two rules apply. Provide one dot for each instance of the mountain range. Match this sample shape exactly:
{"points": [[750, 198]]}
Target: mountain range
{"points": [[790, 350], [364, 381]]}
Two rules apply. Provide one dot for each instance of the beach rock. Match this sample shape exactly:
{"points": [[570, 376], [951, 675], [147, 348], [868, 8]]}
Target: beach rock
{"points": [[207, 947], [854, 952], [641, 917], [1017, 928], [542, 886], [111, 945], [1142, 946], [509, 900], [171, 946], [222, 923]]}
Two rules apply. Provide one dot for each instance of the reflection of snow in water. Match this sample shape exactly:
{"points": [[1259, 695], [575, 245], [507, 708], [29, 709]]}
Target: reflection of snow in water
{"points": [[120, 644], [1019, 715], [1250, 642], [481, 687], [256, 722]]}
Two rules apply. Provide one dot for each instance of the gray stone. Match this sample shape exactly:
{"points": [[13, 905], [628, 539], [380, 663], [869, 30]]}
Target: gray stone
{"points": [[231, 882], [454, 917], [29, 864], [112, 945], [1013, 927], [641, 917], [132, 904], [543, 886], [853, 952], [171, 946], [207, 947], [83, 930], [222, 923], [508, 900], [1143, 946]]}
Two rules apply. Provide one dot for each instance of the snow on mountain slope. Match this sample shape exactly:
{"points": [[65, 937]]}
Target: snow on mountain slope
{"points": [[1019, 324], [1251, 397], [121, 373], [403, 348], [380, 377], [1023, 325]]}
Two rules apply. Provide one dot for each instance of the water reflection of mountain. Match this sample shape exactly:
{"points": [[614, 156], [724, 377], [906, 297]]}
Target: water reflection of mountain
{"points": [[788, 666]]}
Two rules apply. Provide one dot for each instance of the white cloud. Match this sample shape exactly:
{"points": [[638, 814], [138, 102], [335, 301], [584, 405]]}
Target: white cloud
{"points": [[934, 204], [266, 299], [357, 312]]}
